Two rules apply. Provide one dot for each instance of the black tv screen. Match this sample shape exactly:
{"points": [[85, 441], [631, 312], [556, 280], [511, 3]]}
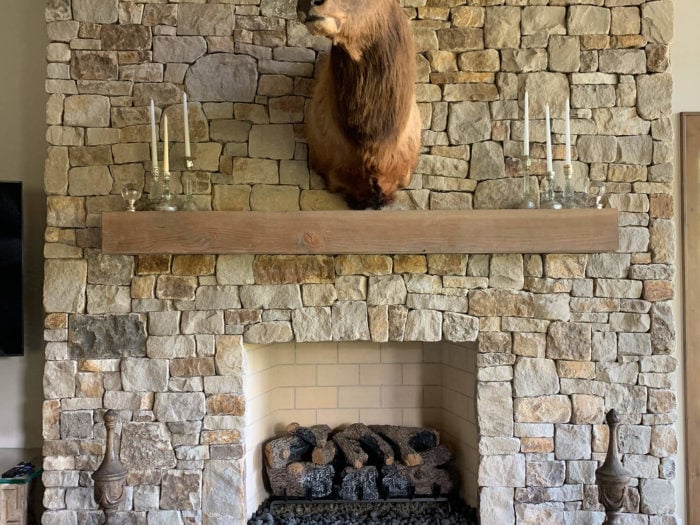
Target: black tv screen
{"points": [[11, 324]]}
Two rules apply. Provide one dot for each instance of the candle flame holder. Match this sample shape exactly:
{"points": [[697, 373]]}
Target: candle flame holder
{"points": [[156, 193], [527, 201], [167, 203], [550, 199], [188, 203], [571, 200]]}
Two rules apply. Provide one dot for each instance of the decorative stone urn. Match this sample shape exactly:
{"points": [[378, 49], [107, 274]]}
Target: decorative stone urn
{"points": [[612, 478], [110, 477]]}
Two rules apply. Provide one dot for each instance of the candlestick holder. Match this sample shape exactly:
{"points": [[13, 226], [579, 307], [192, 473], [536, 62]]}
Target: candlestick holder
{"points": [[156, 193], [527, 201], [167, 203], [571, 200], [550, 199], [188, 203]]}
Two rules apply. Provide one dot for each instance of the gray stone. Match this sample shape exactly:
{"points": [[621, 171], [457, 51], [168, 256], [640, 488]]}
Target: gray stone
{"points": [[86, 111], [180, 490], [634, 344], [349, 320], [663, 332], [564, 54], [654, 95], [487, 161], [502, 27], [145, 375], [272, 141], [235, 269], [179, 407], [223, 492], [544, 20], [657, 21], [423, 325], [285, 296], [572, 442], [469, 122], [146, 446], [203, 322], [502, 471], [495, 409], [588, 20], [656, 496], [546, 473], [65, 285], [110, 269], [268, 332], [217, 298], [106, 336], [496, 505], [312, 324], [506, 271], [570, 341], [386, 289], [222, 77], [97, 11], [205, 19], [535, 377], [498, 193], [597, 148], [59, 379], [624, 61], [459, 328], [180, 49]]}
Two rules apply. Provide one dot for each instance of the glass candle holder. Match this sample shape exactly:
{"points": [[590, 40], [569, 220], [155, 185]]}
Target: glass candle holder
{"points": [[131, 193]]}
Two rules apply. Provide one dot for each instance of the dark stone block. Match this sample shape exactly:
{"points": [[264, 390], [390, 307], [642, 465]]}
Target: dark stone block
{"points": [[106, 336]]}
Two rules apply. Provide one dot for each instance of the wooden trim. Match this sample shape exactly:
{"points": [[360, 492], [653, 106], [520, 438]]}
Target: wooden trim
{"points": [[361, 232], [690, 231]]}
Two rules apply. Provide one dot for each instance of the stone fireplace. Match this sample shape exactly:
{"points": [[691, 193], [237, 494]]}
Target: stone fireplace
{"points": [[515, 357]]}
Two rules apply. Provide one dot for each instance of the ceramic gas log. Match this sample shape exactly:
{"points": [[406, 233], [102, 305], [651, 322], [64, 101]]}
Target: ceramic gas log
{"points": [[367, 463]]}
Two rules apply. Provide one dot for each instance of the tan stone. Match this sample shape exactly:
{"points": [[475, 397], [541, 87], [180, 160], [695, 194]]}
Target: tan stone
{"points": [[363, 265], [55, 321], [563, 266], [194, 264], [543, 409], [176, 287], [152, 264], [220, 437], [657, 290], [142, 287], [410, 264], [267, 197], [231, 198], [192, 367], [587, 409], [447, 264], [286, 269], [576, 369], [536, 445], [314, 200], [468, 16], [225, 404]]}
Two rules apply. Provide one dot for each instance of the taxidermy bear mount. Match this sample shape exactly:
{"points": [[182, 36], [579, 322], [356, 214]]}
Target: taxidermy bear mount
{"points": [[362, 124]]}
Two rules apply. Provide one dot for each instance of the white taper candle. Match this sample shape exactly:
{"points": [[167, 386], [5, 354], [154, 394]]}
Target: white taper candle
{"points": [[568, 133], [166, 152], [154, 138], [549, 138], [187, 125], [526, 139]]}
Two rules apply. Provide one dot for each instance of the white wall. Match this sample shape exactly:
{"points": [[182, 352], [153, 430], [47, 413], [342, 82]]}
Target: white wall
{"points": [[686, 79], [22, 152]]}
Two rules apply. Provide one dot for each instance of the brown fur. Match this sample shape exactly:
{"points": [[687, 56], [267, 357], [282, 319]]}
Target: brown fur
{"points": [[363, 125]]}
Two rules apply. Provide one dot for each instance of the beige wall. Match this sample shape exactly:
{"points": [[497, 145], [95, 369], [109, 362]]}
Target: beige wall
{"points": [[22, 151], [686, 78]]}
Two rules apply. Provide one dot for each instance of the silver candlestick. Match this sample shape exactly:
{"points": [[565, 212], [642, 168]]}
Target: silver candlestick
{"points": [[167, 203], [527, 201]]}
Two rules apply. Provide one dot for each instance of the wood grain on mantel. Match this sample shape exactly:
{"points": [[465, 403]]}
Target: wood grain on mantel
{"points": [[361, 232]]}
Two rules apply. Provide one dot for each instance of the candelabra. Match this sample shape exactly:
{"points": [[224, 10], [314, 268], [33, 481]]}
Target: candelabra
{"points": [[527, 201], [550, 198]]}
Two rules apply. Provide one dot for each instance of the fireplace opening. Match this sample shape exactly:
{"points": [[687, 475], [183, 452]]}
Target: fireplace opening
{"points": [[425, 385]]}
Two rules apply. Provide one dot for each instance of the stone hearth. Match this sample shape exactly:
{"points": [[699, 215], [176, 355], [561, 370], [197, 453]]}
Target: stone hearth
{"points": [[558, 338]]}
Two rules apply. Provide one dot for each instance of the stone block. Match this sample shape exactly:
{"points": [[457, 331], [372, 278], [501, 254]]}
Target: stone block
{"points": [[185, 406], [65, 285], [495, 409], [145, 375], [349, 321], [146, 446], [96, 11], [535, 377], [502, 471], [312, 324], [106, 336], [222, 77]]}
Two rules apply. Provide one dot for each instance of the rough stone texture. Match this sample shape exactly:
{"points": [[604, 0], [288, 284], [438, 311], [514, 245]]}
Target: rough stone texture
{"points": [[559, 338]]}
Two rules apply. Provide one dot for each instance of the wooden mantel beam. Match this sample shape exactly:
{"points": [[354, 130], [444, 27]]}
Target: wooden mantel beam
{"points": [[361, 232]]}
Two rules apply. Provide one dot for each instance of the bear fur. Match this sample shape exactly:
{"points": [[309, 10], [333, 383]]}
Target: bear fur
{"points": [[362, 124]]}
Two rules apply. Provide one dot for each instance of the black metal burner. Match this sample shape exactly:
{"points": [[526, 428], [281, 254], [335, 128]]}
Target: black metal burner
{"points": [[394, 511]]}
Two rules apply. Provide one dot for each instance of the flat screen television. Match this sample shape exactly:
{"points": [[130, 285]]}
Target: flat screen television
{"points": [[11, 309]]}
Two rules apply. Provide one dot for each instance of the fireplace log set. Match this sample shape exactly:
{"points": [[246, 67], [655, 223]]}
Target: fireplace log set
{"points": [[359, 462]]}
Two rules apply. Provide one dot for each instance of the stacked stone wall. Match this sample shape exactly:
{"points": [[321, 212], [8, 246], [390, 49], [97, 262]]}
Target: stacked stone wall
{"points": [[561, 338]]}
